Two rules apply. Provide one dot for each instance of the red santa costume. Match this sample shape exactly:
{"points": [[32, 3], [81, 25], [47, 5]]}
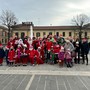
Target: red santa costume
{"points": [[10, 43], [11, 55], [38, 56], [31, 53], [48, 44], [25, 55], [56, 49]]}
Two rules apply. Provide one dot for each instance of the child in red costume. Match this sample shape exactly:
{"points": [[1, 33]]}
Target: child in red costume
{"points": [[11, 56], [38, 56], [31, 53]]}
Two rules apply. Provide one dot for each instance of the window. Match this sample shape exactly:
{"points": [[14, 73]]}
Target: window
{"points": [[70, 33], [2, 41], [16, 34], [85, 34], [37, 34], [63, 34], [5, 40], [57, 33], [44, 33], [22, 35], [50, 33]]}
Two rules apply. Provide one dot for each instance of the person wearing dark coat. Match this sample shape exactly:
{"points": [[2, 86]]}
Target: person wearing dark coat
{"points": [[77, 52], [6, 54], [2, 54], [85, 51]]}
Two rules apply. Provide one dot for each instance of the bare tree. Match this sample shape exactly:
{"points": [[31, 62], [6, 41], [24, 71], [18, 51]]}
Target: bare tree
{"points": [[8, 19], [80, 21]]}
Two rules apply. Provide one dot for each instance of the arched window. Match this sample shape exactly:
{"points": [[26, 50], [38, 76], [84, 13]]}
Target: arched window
{"points": [[38, 34], [22, 35], [16, 34]]}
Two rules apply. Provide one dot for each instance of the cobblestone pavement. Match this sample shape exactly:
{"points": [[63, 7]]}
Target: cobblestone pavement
{"points": [[45, 77]]}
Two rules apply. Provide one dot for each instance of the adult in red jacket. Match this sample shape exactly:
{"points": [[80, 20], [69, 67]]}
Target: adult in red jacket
{"points": [[38, 56], [48, 44], [48, 48], [31, 53], [11, 56], [56, 48]]}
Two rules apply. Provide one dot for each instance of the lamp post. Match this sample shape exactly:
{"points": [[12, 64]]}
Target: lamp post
{"points": [[31, 31]]}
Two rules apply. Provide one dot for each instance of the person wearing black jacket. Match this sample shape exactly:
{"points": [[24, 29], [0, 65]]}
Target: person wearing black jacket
{"points": [[85, 51], [2, 54]]}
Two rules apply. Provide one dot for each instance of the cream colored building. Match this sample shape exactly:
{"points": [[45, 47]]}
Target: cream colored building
{"points": [[23, 29], [3, 35]]}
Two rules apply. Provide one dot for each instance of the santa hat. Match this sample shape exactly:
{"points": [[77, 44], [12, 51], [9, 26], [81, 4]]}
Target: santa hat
{"points": [[7, 47], [84, 40], [57, 45], [39, 47], [62, 47]]}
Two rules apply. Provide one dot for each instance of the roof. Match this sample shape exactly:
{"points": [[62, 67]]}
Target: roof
{"points": [[27, 26], [3, 27], [54, 27]]}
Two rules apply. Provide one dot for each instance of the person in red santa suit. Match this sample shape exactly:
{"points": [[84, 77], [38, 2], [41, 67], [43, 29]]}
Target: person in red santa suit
{"points": [[48, 48], [18, 56], [31, 54], [10, 43], [15, 41], [25, 55], [38, 56], [2, 54], [11, 56], [56, 49], [42, 52]]}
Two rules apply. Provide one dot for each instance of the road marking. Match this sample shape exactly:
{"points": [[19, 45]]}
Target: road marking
{"points": [[83, 83], [69, 84], [65, 86], [9, 83], [21, 82], [38, 82], [30, 82], [6, 78], [8, 68], [57, 83], [45, 83]]}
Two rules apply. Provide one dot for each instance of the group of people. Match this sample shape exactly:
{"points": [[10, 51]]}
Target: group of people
{"points": [[51, 50]]}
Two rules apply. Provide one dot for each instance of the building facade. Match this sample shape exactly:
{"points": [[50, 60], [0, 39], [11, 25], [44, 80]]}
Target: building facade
{"points": [[3, 35], [23, 29]]}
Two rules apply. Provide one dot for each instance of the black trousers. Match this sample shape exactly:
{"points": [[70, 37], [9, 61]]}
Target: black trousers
{"points": [[85, 56]]}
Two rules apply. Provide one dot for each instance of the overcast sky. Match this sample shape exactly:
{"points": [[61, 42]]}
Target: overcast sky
{"points": [[46, 12]]}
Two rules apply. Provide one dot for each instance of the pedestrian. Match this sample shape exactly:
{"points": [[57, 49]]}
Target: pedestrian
{"points": [[61, 56], [6, 54], [85, 51], [2, 54], [68, 58], [11, 56]]}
